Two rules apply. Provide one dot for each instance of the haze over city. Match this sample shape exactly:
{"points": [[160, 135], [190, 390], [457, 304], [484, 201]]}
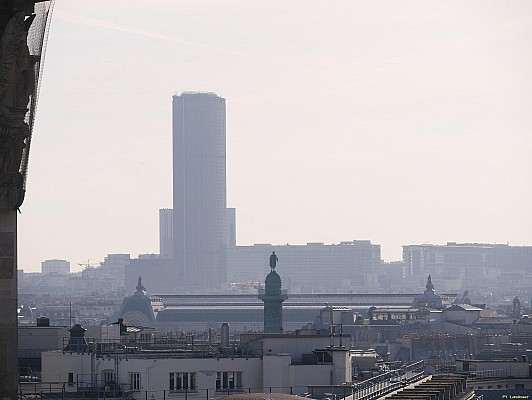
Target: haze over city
{"points": [[399, 122]]}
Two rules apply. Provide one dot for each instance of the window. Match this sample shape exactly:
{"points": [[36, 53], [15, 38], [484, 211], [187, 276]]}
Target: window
{"points": [[182, 380], [323, 357], [70, 379], [228, 380], [519, 385], [134, 380], [108, 375]]}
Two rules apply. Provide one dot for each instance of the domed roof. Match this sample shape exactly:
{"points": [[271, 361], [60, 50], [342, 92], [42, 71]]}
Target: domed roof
{"points": [[272, 284], [77, 331], [429, 299]]}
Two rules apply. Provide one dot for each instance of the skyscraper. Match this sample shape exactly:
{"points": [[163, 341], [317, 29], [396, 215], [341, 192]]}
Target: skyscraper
{"points": [[199, 179]]}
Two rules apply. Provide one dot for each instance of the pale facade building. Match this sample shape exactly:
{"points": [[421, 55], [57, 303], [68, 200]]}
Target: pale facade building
{"points": [[274, 363]]}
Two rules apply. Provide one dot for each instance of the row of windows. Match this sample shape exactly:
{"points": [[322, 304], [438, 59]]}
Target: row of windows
{"points": [[187, 380], [517, 386], [182, 380], [228, 380]]}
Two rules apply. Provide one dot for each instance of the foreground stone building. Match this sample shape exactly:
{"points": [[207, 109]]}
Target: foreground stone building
{"points": [[22, 30]]}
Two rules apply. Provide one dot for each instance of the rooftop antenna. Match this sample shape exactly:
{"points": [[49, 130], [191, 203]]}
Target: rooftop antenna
{"points": [[70, 318]]}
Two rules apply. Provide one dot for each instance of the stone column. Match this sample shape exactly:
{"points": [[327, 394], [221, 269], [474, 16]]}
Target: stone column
{"points": [[273, 297], [8, 305], [17, 85]]}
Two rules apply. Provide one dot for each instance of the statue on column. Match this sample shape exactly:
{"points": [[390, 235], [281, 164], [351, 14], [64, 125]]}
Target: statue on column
{"points": [[273, 261]]}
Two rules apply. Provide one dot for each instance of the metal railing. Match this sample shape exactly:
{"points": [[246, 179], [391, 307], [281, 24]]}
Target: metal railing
{"points": [[359, 391], [211, 394], [488, 374], [69, 390], [58, 390], [388, 382]]}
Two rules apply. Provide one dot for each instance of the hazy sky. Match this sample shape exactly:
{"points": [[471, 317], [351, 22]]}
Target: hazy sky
{"points": [[397, 121]]}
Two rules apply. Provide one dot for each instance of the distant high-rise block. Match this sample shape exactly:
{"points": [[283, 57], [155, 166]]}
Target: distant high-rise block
{"points": [[311, 267], [60, 267], [467, 260], [199, 178]]}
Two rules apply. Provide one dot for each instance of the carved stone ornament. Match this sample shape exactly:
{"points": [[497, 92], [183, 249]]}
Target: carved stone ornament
{"points": [[17, 84]]}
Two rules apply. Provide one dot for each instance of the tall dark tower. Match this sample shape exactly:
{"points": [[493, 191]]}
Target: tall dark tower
{"points": [[199, 180], [273, 296], [23, 28]]}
